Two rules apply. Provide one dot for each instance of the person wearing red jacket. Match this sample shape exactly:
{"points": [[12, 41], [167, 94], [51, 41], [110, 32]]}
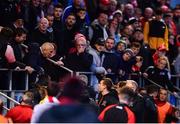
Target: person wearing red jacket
{"points": [[23, 112]]}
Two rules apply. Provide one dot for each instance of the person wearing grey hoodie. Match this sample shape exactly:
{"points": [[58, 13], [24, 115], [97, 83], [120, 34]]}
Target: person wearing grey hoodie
{"points": [[97, 68]]}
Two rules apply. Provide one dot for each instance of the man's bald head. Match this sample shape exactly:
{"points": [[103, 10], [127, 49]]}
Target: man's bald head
{"points": [[148, 12], [43, 24], [47, 49]]}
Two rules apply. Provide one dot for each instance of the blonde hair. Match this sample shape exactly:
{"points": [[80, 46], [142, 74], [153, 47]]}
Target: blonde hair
{"points": [[165, 59]]}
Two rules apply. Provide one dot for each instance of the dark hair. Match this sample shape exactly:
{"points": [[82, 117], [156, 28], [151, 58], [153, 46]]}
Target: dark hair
{"points": [[6, 34], [136, 45], [73, 88], [20, 31], [121, 84], [108, 82], [151, 89], [111, 38], [158, 11], [53, 88], [81, 9], [58, 6], [71, 14]]}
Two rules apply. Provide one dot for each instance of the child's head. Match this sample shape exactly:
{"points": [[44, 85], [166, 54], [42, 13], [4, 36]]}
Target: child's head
{"points": [[135, 47], [121, 46], [81, 13]]}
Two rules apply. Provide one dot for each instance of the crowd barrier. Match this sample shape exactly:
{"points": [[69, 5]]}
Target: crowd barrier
{"points": [[141, 82], [10, 92]]}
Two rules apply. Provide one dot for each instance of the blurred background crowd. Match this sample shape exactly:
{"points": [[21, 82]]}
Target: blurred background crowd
{"points": [[111, 40]]}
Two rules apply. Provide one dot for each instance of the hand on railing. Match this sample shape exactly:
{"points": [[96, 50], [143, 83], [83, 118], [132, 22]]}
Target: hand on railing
{"points": [[60, 63], [29, 69], [145, 75]]}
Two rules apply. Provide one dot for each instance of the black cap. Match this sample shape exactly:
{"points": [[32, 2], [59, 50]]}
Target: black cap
{"points": [[100, 41], [132, 20]]}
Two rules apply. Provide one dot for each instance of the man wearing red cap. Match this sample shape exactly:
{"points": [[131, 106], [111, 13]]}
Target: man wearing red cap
{"points": [[79, 60]]}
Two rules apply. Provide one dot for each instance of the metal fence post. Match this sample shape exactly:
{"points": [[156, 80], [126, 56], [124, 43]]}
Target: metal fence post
{"points": [[26, 81]]}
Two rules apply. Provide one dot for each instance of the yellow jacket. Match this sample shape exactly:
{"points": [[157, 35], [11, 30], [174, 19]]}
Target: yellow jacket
{"points": [[155, 42]]}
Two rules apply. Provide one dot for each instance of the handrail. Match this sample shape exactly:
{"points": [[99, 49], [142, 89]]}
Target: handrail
{"points": [[79, 72], [6, 69], [177, 96], [5, 108], [65, 68], [52, 61], [9, 98]]}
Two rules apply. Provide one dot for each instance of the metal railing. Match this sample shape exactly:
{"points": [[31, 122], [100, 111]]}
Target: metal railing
{"points": [[141, 82], [9, 90]]}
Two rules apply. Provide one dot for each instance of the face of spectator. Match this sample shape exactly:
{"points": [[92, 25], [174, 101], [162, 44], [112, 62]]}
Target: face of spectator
{"points": [[58, 12], [77, 2], [43, 24], [82, 14], [99, 48], [47, 50], [177, 13], [138, 13], [168, 20], [163, 95], [121, 47], [19, 23], [148, 13], [101, 86], [36, 3], [42, 2], [129, 9], [128, 30], [138, 36], [50, 20], [103, 19], [109, 44], [112, 6], [126, 56], [21, 38], [158, 17], [119, 17], [154, 95], [161, 53], [162, 64], [70, 21], [48, 2], [81, 45], [135, 24], [114, 23], [135, 50]]}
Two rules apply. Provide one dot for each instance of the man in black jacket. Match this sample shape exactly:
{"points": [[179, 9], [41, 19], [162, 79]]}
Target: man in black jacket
{"points": [[40, 35], [37, 58], [79, 60], [106, 96]]}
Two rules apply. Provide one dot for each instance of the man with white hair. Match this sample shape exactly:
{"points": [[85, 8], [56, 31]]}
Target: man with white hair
{"points": [[37, 58], [79, 60], [40, 34]]}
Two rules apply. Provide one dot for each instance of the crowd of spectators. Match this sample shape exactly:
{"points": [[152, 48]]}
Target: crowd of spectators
{"points": [[111, 39]]}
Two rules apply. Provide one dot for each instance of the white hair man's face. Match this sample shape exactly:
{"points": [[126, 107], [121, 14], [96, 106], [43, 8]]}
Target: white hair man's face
{"points": [[43, 24]]}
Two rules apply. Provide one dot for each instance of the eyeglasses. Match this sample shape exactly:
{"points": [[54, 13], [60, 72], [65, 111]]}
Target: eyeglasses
{"points": [[83, 45]]}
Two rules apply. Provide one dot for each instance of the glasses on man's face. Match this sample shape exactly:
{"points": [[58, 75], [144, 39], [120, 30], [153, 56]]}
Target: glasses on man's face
{"points": [[83, 45]]}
